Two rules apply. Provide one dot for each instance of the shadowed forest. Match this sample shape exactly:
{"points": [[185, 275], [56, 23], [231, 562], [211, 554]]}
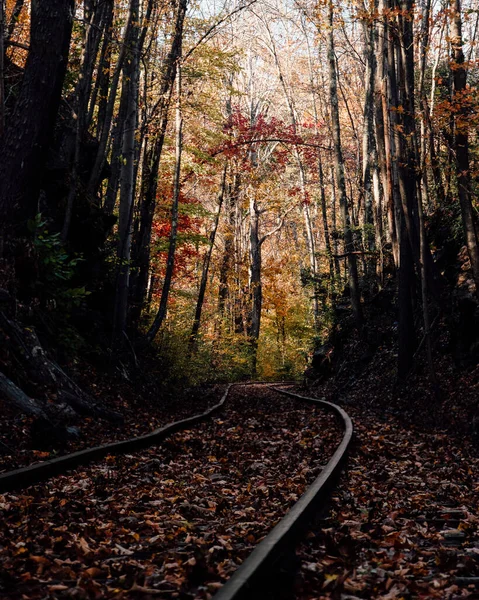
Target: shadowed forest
{"points": [[201, 193]]}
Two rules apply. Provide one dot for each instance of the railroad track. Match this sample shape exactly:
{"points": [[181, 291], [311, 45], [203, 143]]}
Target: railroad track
{"points": [[254, 574]]}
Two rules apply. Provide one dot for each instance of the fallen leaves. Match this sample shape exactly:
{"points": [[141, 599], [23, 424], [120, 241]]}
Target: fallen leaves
{"points": [[403, 523], [173, 521]]}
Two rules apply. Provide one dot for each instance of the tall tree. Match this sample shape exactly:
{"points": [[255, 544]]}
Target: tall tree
{"points": [[339, 170], [461, 139], [151, 163], [29, 129], [127, 187]]}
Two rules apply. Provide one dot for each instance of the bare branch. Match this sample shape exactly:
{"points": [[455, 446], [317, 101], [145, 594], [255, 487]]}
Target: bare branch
{"points": [[215, 26], [279, 226]]}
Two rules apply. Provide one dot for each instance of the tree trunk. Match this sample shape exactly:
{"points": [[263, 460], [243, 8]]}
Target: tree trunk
{"points": [[149, 183], [324, 215], [165, 293], [256, 289], [207, 261], [47, 376], [2, 67], [116, 143], [341, 184], [102, 81], [30, 128], [16, 397], [229, 245], [127, 177], [461, 141], [369, 150], [80, 103], [131, 30]]}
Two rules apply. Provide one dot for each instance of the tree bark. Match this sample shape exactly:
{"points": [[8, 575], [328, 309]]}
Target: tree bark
{"points": [[2, 67], [100, 158], [80, 102], [127, 177], [341, 185], [207, 261], [165, 293], [461, 141], [256, 288], [149, 183], [16, 397], [30, 128], [369, 148], [103, 76]]}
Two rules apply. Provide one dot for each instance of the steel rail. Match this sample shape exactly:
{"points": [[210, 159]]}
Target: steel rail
{"points": [[251, 578], [26, 476]]}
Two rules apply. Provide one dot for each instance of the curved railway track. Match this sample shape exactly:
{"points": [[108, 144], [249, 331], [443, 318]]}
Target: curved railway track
{"points": [[254, 574]]}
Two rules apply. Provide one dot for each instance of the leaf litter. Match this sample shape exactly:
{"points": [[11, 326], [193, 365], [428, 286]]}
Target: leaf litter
{"points": [[403, 522], [173, 521]]}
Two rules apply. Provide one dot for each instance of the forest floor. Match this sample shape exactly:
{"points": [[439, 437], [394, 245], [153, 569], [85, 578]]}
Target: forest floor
{"points": [[403, 522], [173, 521], [143, 407]]}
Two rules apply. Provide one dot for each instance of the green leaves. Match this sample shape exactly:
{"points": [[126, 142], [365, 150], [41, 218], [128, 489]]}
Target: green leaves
{"points": [[56, 267]]}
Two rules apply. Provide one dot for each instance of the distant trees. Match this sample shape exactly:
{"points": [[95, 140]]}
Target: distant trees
{"points": [[178, 159]]}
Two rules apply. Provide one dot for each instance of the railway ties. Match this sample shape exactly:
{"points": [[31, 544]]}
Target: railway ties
{"points": [[180, 517]]}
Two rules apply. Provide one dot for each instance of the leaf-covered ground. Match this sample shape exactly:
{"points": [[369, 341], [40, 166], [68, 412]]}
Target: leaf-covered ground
{"points": [[404, 520], [174, 521], [144, 410]]}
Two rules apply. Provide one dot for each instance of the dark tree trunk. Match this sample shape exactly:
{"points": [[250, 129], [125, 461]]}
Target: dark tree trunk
{"points": [[102, 81], [2, 67], [127, 177], [80, 101], [116, 158], [369, 151], [256, 289], [149, 183], [461, 141], [29, 130], [95, 176], [324, 216]]}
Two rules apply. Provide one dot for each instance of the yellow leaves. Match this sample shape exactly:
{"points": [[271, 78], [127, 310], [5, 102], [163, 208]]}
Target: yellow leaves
{"points": [[329, 579]]}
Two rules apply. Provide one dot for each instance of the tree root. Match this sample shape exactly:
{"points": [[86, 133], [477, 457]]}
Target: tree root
{"points": [[48, 377]]}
